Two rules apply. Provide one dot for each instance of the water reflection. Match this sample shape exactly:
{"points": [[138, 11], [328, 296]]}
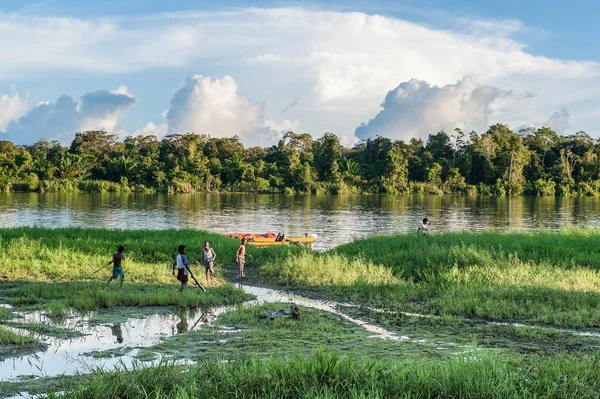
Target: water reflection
{"points": [[335, 219], [117, 332]]}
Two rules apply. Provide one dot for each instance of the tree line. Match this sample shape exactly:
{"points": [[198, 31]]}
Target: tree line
{"points": [[534, 161]]}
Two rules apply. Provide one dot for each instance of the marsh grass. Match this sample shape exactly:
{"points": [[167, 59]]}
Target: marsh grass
{"points": [[421, 258], [72, 254], [326, 269], [549, 278], [248, 331], [332, 375], [8, 337], [57, 298]]}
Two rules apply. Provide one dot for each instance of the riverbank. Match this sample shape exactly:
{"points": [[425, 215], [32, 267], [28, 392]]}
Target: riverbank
{"points": [[485, 314]]}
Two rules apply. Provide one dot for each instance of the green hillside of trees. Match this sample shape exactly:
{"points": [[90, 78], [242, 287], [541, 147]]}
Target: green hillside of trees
{"points": [[497, 162]]}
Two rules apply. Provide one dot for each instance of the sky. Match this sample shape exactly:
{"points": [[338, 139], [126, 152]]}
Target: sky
{"points": [[399, 69]]}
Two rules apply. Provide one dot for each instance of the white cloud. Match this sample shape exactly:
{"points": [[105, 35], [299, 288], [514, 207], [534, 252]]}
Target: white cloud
{"points": [[152, 129], [215, 107], [417, 109], [340, 64], [98, 110], [559, 121], [12, 106]]}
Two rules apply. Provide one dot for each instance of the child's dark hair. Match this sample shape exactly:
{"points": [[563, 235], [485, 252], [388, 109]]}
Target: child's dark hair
{"points": [[244, 240], [121, 248], [206, 242], [425, 220], [181, 248]]}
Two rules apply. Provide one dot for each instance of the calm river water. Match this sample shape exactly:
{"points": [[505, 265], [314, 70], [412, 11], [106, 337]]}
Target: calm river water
{"points": [[335, 219]]}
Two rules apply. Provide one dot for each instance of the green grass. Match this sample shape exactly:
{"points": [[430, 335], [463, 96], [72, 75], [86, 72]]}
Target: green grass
{"points": [[13, 344], [57, 298], [248, 331], [421, 258], [8, 337], [72, 254], [328, 269], [549, 278], [332, 375]]}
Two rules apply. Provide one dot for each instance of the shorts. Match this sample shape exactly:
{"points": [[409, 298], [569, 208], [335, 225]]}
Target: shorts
{"points": [[181, 276], [118, 272], [208, 265], [241, 260]]}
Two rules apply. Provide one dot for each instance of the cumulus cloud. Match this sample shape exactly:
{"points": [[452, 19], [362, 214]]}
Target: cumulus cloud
{"points": [[417, 109], [60, 120], [12, 106], [559, 121], [152, 129], [215, 107], [340, 63]]}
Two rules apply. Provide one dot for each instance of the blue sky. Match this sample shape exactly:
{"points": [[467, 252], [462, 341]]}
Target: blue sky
{"points": [[525, 63]]}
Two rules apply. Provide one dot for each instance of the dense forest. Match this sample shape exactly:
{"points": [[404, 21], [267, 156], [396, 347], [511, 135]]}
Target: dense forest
{"points": [[535, 161]]}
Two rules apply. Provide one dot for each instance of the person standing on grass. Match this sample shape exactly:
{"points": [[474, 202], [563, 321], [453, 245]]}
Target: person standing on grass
{"points": [[209, 256], [182, 264], [117, 261], [423, 228], [241, 258]]}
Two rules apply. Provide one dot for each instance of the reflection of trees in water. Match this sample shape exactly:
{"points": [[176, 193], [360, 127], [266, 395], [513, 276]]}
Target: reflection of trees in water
{"points": [[335, 218]]}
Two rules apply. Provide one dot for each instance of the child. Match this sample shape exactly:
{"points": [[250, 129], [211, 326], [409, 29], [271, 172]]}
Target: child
{"points": [[181, 262], [117, 270], [241, 258], [209, 259], [423, 228]]}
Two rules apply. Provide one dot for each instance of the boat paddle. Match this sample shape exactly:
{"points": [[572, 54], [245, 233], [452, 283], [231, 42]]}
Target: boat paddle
{"points": [[92, 275], [194, 278]]}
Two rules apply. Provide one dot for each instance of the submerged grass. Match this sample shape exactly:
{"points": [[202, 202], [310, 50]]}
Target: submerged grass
{"points": [[332, 375], [13, 344], [249, 331]]}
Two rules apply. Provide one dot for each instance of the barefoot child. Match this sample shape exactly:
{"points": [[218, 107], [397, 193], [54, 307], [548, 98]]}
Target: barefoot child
{"points": [[423, 228], [117, 261], [181, 263], [241, 258], [209, 257]]}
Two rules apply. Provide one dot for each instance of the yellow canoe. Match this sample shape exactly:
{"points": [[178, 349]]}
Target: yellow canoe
{"points": [[303, 240], [267, 243]]}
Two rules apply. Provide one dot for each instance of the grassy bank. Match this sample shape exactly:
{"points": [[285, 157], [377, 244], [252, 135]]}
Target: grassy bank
{"points": [[330, 375], [72, 254], [57, 298], [550, 278]]}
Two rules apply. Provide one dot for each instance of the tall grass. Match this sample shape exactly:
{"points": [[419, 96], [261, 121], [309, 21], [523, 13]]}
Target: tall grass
{"points": [[550, 278], [42, 254], [330, 375], [422, 257], [327, 269], [56, 298]]}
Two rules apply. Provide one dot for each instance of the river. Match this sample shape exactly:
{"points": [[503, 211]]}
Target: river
{"points": [[335, 219]]}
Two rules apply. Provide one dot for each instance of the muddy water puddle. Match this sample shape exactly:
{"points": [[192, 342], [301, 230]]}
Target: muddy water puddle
{"points": [[69, 355], [106, 345], [109, 344]]}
